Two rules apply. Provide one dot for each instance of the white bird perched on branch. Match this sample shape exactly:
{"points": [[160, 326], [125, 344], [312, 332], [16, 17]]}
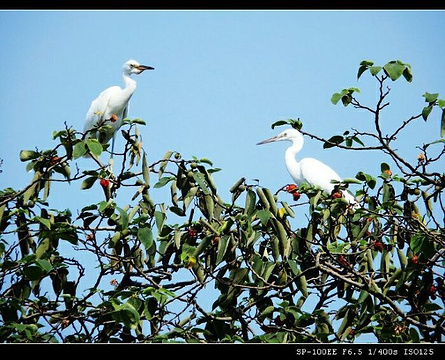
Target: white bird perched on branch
{"points": [[111, 106], [308, 170]]}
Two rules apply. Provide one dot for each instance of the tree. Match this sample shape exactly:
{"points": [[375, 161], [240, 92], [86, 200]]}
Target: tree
{"points": [[344, 272]]}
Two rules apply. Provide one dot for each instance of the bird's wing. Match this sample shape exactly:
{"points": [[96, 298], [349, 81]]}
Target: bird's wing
{"points": [[317, 173], [98, 107]]}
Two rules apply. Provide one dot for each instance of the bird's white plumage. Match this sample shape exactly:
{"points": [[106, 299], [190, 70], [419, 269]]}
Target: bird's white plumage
{"points": [[111, 106], [309, 170]]}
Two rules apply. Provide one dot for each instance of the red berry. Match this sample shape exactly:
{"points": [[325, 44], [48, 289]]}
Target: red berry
{"points": [[54, 160], [415, 259], [296, 195], [104, 182], [378, 245], [342, 261], [432, 289], [336, 195], [291, 188], [192, 232]]}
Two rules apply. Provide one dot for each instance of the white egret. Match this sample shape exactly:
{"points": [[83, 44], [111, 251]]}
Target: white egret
{"points": [[308, 170], [111, 106]]}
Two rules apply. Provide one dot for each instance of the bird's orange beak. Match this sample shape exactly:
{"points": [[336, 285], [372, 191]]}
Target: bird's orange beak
{"points": [[144, 67]]}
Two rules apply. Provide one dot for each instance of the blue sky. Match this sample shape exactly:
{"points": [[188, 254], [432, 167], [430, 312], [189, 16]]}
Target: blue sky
{"points": [[221, 79]]}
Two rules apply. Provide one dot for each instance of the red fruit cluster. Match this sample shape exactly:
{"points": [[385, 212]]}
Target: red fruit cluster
{"points": [[432, 290], [192, 232], [336, 195], [54, 160], [378, 245], [292, 189], [415, 259], [104, 182], [342, 261]]}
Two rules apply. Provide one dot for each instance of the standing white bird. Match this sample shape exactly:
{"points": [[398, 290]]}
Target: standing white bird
{"points": [[308, 170], [111, 106]]}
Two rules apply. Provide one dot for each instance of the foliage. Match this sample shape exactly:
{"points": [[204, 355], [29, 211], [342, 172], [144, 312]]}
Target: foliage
{"points": [[279, 268]]}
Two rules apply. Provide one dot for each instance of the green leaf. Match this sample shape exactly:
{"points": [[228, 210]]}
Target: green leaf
{"points": [[160, 219], [416, 243], [164, 163], [346, 99], [351, 181], [26, 155], [294, 267], [407, 74], [363, 296], [426, 111], [64, 170], [145, 236], [432, 307], [43, 221], [177, 210], [351, 90], [145, 170], [268, 269], [33, 272], [296, 124], [238, 275], [267, 312], [45, 265], [414, 335], [222, 248], [123, 219], [264, 215], [138, 121], [88, 182], [200, 179], [430, 98], [279, 123], [163, 181], [394, 69], [357, 140], [333, 141], [95, 146], [361, 70], [442, 124], [375, 70], [79, 150], [367, 63], [301, 283], [336, 98], [129, 315], [384, 167]]}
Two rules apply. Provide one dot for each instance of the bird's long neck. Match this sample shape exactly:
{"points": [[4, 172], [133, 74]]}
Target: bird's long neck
{"points": [[291, 162], [130, 85]]}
